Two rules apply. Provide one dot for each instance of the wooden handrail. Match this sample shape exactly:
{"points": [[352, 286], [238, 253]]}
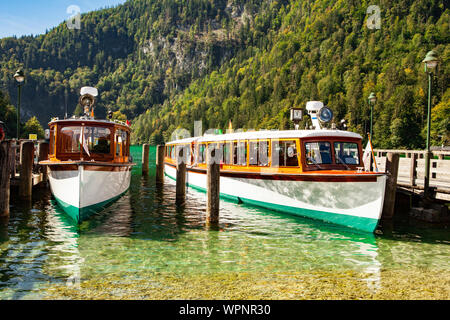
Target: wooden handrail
{"points": [[404, 151]]}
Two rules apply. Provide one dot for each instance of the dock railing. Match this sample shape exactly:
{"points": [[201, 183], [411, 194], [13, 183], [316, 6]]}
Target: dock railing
{"points": [[411, 171], [17, 161]]}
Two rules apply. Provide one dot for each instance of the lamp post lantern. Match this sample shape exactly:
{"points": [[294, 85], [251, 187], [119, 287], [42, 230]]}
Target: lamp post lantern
{"points": [[296, 115], [430, 63], [20, 78]]}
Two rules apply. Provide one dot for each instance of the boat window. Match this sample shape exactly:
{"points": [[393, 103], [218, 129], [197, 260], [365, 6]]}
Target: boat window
{"points": [[284, 153], [253, 153], [346, 152], [95, 139], [258, 153], [220, 148], [121, 143], [240, 153], [201, 155], [69, 139], [98, 139], [187, 148], [172, 152], [52, 141], [126, 147], [183, 151], [318, 152], [227, 153]]}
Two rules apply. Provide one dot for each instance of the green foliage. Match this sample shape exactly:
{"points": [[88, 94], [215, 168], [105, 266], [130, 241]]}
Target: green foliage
{"points": [[440, 121], [321, 50], [32, 126], [119, 116], [8, 114], [166, 64], [126, 52]]}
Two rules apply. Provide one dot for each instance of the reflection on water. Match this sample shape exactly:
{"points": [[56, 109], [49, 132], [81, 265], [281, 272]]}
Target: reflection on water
{"points": [[144, 231]]}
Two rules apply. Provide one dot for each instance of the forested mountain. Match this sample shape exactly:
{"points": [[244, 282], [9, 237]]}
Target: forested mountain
{"points": [[166, 64], [137, 55]]}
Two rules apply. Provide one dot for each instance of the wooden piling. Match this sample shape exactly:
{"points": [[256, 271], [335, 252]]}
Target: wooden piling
{"points": [[43, 148], [26, 168], [12, 157], [392, 160], [145, 152], [5, 149], [180, 196], [413, 169], [159, 164], [212, 190]]}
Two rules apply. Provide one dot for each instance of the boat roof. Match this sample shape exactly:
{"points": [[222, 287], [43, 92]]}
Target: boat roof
{"points": [[269, 134], [89, 120]]}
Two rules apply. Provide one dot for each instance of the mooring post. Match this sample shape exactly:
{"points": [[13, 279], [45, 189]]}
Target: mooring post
{"points": [[26, 169], [160, 164], [212, 189], [392, 160], [181, 177], [5, 149], [43, 148], [145, 152]]}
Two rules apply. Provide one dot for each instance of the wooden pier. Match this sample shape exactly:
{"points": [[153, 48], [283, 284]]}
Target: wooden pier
{"points": [[411, 171], [20, 172], [409, 182], [20, 169]]}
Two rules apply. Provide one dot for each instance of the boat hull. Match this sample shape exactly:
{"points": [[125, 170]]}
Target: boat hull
{"points": [[84, 189], [354, 201]]}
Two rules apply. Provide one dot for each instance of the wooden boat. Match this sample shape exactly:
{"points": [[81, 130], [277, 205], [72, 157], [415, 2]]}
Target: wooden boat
{"points": [[312, 173], [89, 162]]}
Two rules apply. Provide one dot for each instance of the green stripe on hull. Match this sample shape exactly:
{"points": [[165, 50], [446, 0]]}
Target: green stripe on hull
{"points": [[72, 211], [359, 223], [80, 214]]}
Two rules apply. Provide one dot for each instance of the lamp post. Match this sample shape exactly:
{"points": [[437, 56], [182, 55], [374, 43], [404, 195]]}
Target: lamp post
{"points": [[20, 78], [372, 99], [430, 63]]}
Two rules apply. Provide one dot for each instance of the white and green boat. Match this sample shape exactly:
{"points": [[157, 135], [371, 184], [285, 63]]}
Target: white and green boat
{"points": [[89, 163]]}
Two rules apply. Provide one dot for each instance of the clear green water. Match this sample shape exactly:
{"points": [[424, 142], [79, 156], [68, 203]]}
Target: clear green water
{"points": [[144, 233]]}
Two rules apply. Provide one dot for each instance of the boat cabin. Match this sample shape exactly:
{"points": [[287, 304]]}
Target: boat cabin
{"points": [[291, 151], [89, 140]]}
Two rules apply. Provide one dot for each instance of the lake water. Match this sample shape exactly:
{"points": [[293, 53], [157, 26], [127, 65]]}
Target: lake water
{"points": [[144, 247]]}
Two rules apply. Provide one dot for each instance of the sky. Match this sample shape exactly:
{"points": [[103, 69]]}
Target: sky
{"points": [[26, 17]]}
